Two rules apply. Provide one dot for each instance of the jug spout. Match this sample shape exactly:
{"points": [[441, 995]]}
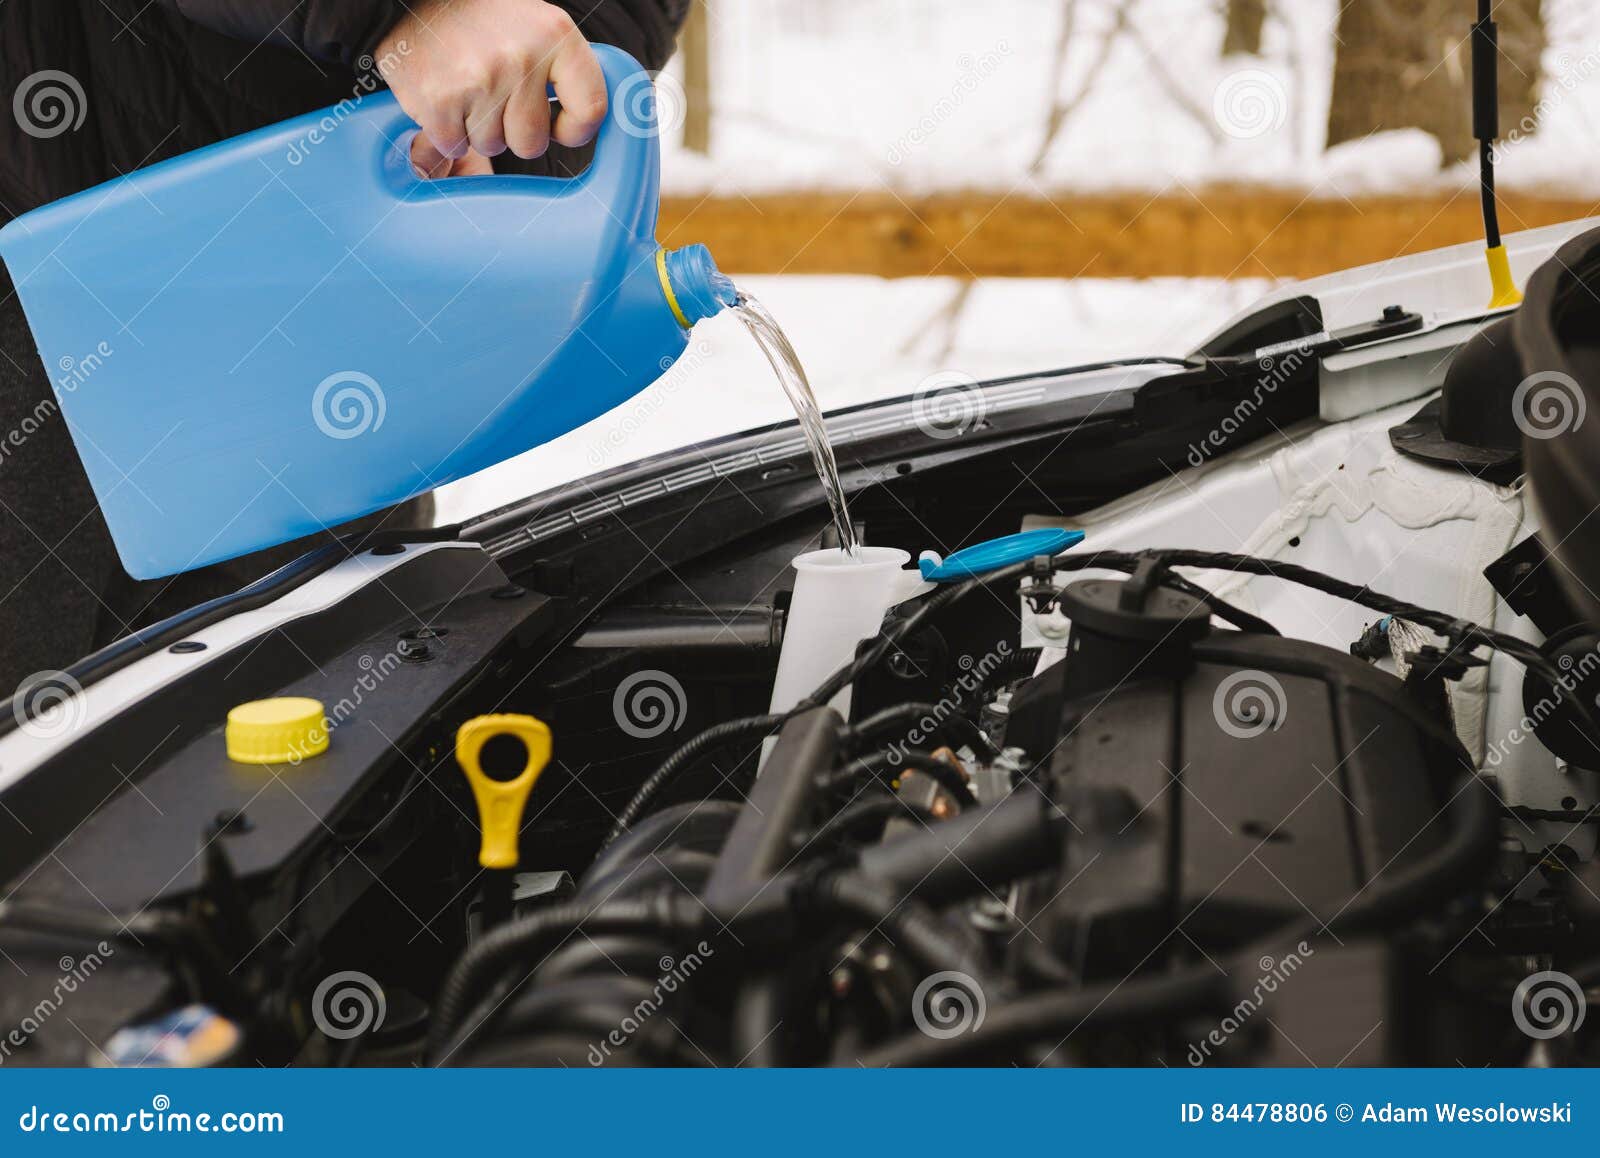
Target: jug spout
{"points": [[694, 287]]}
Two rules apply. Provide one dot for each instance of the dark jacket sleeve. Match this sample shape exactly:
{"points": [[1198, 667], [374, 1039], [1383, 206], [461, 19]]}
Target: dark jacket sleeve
{"points": [[345, 31], [646, 30], [341, 31]]}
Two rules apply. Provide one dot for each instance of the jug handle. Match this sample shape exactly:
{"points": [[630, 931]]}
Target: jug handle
{"points": [[626, 148], [629, 139]]}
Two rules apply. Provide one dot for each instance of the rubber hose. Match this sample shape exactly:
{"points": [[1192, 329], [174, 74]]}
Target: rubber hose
{"points": [[502, 947], [723, 733], [878, 810], [699, 825], [614, 956], [1017, 666], [677, 869], [908, 924], [594, 1006]]}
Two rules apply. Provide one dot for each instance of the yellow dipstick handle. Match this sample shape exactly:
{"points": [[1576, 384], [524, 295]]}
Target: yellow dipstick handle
{"points": [[501, 801]]}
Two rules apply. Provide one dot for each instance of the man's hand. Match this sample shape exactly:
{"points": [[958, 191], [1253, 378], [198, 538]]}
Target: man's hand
{"points": [[473, 74]]}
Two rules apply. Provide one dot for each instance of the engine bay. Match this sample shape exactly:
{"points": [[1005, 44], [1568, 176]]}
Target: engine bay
{"points": [[1284, 764]]}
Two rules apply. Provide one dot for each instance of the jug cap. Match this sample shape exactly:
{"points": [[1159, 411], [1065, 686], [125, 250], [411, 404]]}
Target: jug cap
{"points": [[694, 287]]}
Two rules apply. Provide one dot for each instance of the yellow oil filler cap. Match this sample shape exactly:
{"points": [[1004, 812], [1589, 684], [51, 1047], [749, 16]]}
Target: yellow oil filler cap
{"points": [[501, 796], [284, 730]]}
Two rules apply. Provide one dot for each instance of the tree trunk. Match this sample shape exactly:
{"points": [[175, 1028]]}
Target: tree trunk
{"points": [[1243, 34], [1408, 64], [696, 49]]}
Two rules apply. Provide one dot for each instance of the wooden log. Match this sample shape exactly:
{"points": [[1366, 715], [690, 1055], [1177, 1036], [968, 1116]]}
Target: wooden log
{"points": [[1223, 232]]}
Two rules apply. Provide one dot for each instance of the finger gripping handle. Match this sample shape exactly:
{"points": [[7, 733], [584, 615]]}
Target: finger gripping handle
{"points": [[624, 174]]}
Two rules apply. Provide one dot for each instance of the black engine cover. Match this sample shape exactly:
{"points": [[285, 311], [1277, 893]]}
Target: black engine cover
{"points": [[1254, 780]]}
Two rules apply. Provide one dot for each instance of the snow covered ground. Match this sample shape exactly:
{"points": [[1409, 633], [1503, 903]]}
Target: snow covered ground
{"points": [[862, 339], [921, 95]]}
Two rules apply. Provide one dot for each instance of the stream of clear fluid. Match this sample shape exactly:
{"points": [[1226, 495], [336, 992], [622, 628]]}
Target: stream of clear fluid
{"points": [[786, 365]]}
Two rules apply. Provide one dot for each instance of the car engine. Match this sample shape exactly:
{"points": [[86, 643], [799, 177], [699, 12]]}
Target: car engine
{"points": [[1196, 791]]}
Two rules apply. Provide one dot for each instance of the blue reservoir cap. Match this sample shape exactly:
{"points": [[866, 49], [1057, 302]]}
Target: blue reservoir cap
{"points": [[970, 562]]}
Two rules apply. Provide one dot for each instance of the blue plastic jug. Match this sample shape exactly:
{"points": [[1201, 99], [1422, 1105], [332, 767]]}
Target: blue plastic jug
{"points": [[288, 330]]}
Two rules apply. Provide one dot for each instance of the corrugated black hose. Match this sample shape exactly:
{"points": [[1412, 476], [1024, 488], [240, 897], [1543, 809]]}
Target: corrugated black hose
{"points": [[713, 737], [670, 914]]}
